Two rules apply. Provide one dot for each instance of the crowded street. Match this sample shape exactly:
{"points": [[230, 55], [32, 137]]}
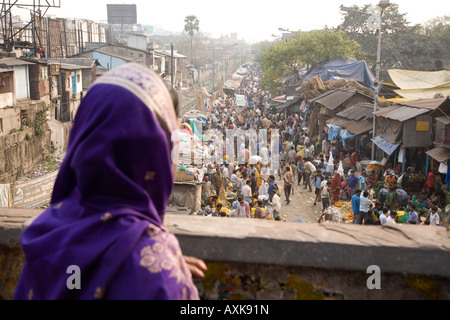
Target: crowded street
{"points": [[244, 174]]}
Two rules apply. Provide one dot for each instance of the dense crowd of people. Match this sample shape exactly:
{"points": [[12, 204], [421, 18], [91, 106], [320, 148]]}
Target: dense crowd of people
{"points": [[244, 188]]}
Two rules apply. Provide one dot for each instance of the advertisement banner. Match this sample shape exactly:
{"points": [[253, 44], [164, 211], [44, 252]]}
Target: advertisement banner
{"points": [[36, 193], [5, 196]]}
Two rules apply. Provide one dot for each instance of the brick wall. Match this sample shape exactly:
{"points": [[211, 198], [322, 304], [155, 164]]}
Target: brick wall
{"points": [[39, 87]]}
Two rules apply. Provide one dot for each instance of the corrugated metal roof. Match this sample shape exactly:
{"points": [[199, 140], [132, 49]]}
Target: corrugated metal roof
{"points": [[83, 63], [431, 104], [400, 113], [445, 120], [359, 111], [322, 95], [355, 127], [67, 66], [14, 62], [334, 98], [169, 53], [439, 154]]}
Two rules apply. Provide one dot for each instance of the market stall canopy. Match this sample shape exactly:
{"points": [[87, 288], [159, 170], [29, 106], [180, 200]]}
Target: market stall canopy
{"points": [[332, 99], [415, 85], [416, 94], [406, 125], [410, 79], [445, 120], [439, 154], [354, 127], [386, 146], [359, 111], [232, 84], [342, 68], [194, 114], [400, 113], [431, 104], [280, 99], [296, 105]]}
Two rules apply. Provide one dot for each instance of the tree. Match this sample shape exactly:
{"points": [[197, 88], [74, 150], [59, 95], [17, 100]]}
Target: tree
{"points": [[258, 49], [191, 25], [288, 58], [403, 46]]}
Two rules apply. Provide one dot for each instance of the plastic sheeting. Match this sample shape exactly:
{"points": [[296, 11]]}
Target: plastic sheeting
{"points": [[6, 196], [410, 79], [341, 68], [387, 147], [337, 132], [416, 85], [187, 195], [428, 93], [333, 131]]}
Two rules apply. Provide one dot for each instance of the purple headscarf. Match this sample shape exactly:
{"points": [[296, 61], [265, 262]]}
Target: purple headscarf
{"points": [[108, 203]]}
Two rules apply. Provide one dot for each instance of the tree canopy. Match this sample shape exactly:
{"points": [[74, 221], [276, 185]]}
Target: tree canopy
{"points": [[191, 25], [304, 49], [418, 47]]}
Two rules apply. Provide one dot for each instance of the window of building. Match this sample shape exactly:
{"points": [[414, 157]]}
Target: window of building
{"points": [[44, 73]]}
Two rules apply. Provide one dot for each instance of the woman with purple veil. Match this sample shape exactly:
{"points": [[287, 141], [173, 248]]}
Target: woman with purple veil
{"points": [[107, 210]]}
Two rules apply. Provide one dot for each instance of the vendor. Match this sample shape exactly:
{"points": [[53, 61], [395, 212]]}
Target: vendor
{"points": [[373, 178]]}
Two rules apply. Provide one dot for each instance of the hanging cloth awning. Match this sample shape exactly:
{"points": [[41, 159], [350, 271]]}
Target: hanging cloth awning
{"points": [[439, 154], [387, 147]]}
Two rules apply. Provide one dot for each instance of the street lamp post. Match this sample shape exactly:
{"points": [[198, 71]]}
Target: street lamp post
{"points": [[383, 4], [377, 85]]}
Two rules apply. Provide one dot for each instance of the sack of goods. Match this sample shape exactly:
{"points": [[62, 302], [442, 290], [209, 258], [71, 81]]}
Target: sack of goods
{"points": [[333, 214]]}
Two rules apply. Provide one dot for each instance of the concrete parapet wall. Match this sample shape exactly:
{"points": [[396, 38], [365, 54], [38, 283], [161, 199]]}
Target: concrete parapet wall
{"points": [[252, 259], [263, 260]]}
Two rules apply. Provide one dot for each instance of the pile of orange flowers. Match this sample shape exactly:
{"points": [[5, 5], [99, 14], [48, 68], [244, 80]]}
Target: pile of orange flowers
{"points": [[338, 204]]}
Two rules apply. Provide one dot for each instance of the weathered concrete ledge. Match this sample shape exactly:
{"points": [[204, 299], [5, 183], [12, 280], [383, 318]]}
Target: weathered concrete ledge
{"points": [[411, 249], [261, 260]]}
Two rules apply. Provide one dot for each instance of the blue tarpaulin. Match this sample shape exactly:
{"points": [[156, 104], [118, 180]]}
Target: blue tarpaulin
{"points": [[335, 131], [447, 177], [342, 68], [387, 147], [345, 135]]}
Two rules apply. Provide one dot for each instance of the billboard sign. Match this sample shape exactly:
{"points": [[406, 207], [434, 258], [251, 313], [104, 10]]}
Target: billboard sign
{"points": [[123, 14], [36, 193]]}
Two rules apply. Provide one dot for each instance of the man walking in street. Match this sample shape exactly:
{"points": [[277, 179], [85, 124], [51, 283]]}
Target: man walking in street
{"points": [[352, 183], [217, 180], [317, 181], [272, 184], [356, 205], [300, 170], [365, 205], [307, 175], [288, 182]]}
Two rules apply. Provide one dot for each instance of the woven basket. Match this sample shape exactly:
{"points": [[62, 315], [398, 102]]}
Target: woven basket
{"points": [[182, 176]]}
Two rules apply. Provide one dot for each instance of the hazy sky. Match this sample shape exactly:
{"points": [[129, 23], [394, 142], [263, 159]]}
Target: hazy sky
{"points": [[253, 20]]}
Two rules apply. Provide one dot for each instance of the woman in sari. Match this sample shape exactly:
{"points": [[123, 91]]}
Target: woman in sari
{"points": [[108, 205], [336, 188], [391, 199]]}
